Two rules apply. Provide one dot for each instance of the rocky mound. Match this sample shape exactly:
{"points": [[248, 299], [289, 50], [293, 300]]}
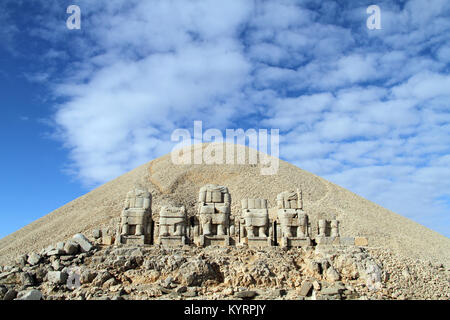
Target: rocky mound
{"points": [[78, 270]]}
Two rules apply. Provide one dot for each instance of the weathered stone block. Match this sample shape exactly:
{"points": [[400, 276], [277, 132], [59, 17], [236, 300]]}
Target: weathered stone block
{"points": [[84, 243], [133, 240], [71, 248], [259, 242], [55, 252], [34, 259], [44, 251], [108, 240], [305, 288], [87, 276], [173, 241], [295, 242], [29, 295], [57, 277], [60, 245]]}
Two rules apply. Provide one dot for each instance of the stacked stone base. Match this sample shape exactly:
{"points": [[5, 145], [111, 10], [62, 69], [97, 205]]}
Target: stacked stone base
{"points": [[224, 240], [173, 241], [259, 241], [134, 240], [295, 242]]}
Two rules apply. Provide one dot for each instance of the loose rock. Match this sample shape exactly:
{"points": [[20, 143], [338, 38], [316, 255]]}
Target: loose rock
{"points": [[29, 295], [84, 243], [34, 259]]}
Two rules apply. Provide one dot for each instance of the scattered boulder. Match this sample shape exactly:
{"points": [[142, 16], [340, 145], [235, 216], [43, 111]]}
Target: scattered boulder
{"points": [[108, 240], [248, 294], [87, 276], [44, 251], [71, 248], [57, 277], [34, 259], [84, 243], [29, 295], [55, 252], [66, 258], [305, 289]]}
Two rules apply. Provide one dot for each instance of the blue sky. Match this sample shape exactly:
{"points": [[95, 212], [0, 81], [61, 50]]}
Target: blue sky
{"points": [[366, 109]]}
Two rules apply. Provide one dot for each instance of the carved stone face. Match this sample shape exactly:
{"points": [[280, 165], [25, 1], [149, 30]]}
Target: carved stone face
{"points": [[214, 194]]}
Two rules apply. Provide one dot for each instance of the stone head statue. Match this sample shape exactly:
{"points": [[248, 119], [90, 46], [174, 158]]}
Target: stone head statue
{"points": [[290, 200], [138, 198]]}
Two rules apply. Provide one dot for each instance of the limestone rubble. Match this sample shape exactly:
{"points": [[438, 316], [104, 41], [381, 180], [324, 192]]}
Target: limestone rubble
{"points": [[216, 272]]}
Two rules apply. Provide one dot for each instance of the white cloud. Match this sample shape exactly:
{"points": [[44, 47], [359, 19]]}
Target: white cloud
{"points": [[366, 109], [423, 86]]}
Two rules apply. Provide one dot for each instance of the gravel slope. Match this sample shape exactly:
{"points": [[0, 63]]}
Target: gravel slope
{"points": [[179, 184]]}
